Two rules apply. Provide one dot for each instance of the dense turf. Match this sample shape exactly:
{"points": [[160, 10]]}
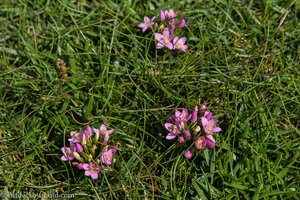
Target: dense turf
{"points": [[243, 62]]}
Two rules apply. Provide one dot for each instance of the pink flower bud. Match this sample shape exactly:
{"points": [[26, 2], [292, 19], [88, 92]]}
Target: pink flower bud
{"points": [[181, 23], [194, 114], [188, 155], [162, 15], [180, 139], [187, 134], [202, 108]]}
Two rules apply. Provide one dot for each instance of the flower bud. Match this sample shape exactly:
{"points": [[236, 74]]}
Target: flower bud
{"points": [[197, 129], [181, 23], [187, 134], [76, 155], [162, 15], [194, 114], [202, 108], [180, 139], [83, 141], [188, 155]]}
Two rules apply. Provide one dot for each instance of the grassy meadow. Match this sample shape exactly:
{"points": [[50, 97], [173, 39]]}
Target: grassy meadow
{"points": [[243, 63]]}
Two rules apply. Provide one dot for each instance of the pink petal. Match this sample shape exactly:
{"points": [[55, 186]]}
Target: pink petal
{"points": [[159, 45], [87, 173], [63, 158], [169, 45], [216, 129], [94, 176], [170, 136], [204, 121], [158, 36]]}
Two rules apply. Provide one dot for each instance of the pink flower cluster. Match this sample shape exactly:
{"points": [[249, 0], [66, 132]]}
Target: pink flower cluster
{"points": [[200, 122], [91, 151], [165, 36]]}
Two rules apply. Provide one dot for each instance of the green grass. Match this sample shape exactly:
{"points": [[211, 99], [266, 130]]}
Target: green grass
{"points": [[243, 62]]}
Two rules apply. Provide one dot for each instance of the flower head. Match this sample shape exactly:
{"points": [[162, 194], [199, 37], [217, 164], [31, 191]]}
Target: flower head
{"points": [[91, 170], [105, 133], [210, 144], [147, 23], [174, 129], [209, 126], [179, 43], [106, 157], [76, 136], [200, 143], [188, 154], [68, 154], [183, 116], [164, 40]]}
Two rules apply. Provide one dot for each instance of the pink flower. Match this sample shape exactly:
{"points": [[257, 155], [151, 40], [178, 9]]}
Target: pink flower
{"points": [[180, 139], [179, 43], [68, 154], [174, 129], [76, 136], [147, 23], [106, 157], [188, 154], [91, 170], [105, 133], [200, 143], [183, 116], [181, 23], [164, 40], [170, 14], [209, 126], [194, 114]]}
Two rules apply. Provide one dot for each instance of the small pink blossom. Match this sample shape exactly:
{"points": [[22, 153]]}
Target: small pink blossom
{"points": [[174, 129], [106, 157], [200, 143], [209, 126], [179, 44], [68, 154], [103, 132], [170, 14], [147, 23], [91, 170], [76, 136], [188, 154], [164, 40], [183, 116]]}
